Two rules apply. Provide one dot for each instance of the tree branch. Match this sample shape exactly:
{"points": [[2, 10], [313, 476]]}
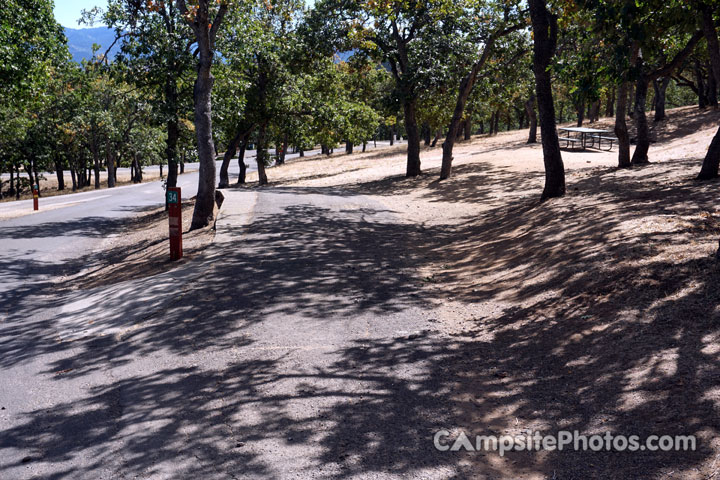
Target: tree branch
{"points": [[679, 58]]}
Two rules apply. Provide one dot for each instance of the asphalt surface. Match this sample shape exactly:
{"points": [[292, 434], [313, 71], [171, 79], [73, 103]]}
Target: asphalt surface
{"points": [[298, 346], [35, 247]]}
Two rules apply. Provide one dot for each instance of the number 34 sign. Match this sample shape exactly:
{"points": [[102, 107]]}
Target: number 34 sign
{"points": [[175, 217], [173, 197]]}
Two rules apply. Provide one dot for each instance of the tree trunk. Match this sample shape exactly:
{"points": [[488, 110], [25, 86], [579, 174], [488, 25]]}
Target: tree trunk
{"points": [[392, 137], [702, 101], [561, 113], [580, 111], [545, 32], [520, 112], [594, 112], [17, 182], [261, 155], [241, 158], [349, 147], [496, 123], [621, 130], [712, 98], [438, 134], [642, 145], [173, 134], [110, 165], [281, 158], [711, 163], [33, 174], [205, 201], [468, 127], [610, 105], [229, 154], [530, 110], [660, 88], [460, 129], [138, 174], [59, 173], [426, 134], [413, 147], [11, 189], [96, 158], [205, 29]]}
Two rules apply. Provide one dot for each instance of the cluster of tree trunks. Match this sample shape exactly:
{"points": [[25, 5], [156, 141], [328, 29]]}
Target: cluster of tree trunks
{"points": [[704, 84], [238, 142], [640, 155], [136, 173], [494, 123]]}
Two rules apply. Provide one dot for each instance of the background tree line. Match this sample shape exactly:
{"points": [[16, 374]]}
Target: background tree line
{"points": [[202, 81]]}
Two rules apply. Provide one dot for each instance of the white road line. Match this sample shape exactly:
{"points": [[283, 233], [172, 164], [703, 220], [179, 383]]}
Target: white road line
{"points": [[78, 201]]}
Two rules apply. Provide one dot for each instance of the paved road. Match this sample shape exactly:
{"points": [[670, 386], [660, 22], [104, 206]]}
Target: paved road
{"points": [[35, 247], [299, 346]]}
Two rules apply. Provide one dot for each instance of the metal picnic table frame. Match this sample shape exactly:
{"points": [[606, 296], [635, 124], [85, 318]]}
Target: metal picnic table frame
{"points": [[594, 134]]}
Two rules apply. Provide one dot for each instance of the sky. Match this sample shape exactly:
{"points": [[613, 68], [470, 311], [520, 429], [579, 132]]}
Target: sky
{"points": [[67, 12]]}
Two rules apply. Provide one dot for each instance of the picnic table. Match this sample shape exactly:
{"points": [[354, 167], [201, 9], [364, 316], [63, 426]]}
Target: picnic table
{"points": [[584, 134]]}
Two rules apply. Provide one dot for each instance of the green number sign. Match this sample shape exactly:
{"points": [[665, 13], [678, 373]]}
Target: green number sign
{"points": [[172, 197]]}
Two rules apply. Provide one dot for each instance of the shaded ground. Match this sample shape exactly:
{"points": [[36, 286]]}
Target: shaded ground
{"points": [[140, 249], [598, 311], [359, 312]]}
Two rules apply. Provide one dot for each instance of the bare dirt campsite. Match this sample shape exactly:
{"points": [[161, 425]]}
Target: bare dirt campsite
{"points": [[594, 311], [360, 240]]}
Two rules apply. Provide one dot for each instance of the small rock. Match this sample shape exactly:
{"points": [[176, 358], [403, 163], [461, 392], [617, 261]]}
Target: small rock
{"points": [[26, 459]]}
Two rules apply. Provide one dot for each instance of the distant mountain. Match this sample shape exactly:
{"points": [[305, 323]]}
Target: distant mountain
{"points": [[81, 40]]}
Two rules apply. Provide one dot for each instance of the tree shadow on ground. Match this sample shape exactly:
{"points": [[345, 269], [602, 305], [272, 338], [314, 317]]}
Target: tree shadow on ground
{"points": [[584, 316], [694, 120], [594, 312]]}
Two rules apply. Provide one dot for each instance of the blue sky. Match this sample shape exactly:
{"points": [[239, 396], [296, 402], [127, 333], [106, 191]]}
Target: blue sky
{"points": [[67, 12]]}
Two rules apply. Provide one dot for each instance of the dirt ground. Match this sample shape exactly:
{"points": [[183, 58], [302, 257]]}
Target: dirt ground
{"points": [[140, 250], [598, 311]]}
